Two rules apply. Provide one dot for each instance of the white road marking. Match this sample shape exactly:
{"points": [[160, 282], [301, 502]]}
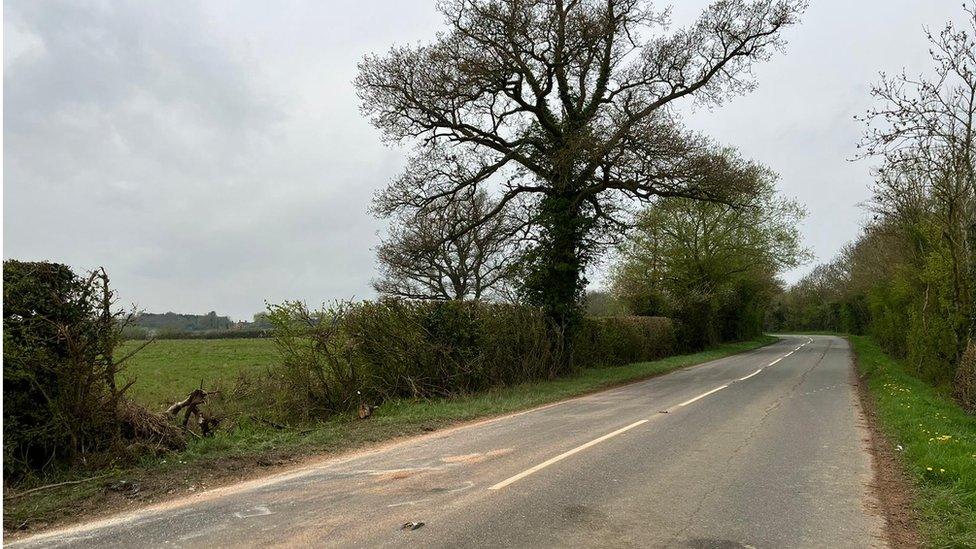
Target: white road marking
{"points": [[256, 511], [564, 455], [580, 448], [703, 395], [750, 375]]}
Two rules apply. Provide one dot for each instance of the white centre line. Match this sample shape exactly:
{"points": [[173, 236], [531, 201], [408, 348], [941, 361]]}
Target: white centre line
{"points": [[750, 375], [703, 395], [595, 441], [564, 455]]}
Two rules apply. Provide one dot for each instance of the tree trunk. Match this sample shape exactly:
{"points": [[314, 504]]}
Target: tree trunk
{"points": [[555, 279]]}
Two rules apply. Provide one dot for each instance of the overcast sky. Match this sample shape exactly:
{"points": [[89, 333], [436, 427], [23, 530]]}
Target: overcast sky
{"points": [[211, 155]]}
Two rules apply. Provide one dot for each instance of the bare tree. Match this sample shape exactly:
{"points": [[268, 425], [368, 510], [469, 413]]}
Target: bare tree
{"points": [[564, 105], [423, 257]]}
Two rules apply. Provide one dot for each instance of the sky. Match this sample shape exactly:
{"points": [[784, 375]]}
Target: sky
{"points": [[212, 156]]}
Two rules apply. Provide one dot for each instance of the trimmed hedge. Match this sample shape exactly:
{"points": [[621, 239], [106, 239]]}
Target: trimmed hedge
{"points": [[337, 358], [616, 340]]}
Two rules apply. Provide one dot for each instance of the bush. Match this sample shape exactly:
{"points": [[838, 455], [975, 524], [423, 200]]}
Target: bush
{"points": [[317, 373], [338, 357], [60, 400]]}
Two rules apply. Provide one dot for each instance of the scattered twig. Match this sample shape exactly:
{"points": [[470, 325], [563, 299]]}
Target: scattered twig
{"points": [[274, 424], [55, 485]]}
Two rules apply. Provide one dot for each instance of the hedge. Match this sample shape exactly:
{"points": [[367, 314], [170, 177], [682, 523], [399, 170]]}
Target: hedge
{"points": [[337, 358]]}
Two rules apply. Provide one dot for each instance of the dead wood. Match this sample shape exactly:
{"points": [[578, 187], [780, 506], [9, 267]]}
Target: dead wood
{"points": [[55, 485], [366, 410], [150, 428], [191, 406]]}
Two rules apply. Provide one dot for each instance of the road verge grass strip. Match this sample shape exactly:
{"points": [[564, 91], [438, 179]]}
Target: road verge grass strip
{"points": [[934, 440]]}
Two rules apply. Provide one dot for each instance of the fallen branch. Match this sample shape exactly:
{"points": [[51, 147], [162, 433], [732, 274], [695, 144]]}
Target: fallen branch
{"points": [[55, 485], [268, 422], [191, 406]]}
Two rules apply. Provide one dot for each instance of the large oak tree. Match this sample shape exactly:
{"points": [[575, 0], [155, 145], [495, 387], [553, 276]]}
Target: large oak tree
{"points": [[562, 109]]}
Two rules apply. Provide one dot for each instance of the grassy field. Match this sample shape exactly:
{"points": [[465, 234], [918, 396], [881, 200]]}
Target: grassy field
{"points": [[167, 370], [938, 442], [251, 445]]}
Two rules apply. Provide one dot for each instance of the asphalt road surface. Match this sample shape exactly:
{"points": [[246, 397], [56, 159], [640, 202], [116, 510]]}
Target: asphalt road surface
{"points": [[762, 449]]}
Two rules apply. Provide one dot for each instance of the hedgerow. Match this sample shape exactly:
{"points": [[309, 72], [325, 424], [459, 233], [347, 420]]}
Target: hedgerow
{"points": [[336, 358]]}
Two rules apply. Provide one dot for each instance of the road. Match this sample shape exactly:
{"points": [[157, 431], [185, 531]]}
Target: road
{"points": [[761, 449]]}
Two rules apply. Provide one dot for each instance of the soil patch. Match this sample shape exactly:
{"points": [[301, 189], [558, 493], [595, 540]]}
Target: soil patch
{"points": [[892, 487]]}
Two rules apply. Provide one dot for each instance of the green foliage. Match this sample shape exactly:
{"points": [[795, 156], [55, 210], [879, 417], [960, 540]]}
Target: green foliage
{"points": [[255, 440], [938, 441], [711, 266], [553, 267], [915, 265], [892, 283], [33, 350], [60, 399], [611, 341], [176, 322], [443, 349], [338, 357], [964, 388]]}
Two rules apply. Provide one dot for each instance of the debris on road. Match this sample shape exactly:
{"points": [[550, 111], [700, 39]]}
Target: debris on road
{"points": [[411, 525]]}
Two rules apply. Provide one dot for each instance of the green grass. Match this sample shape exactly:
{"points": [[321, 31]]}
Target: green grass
{"points": [[938, 441], [250, 443], [167, 370]]}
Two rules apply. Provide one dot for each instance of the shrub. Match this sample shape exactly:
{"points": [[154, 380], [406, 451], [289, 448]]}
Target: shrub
{"points": [[444, 348], [317, 372], [60, 400], [337, 357]]}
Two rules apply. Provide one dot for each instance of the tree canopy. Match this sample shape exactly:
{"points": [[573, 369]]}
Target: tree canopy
{"points": [[699, 260], [422, 257], [561, 109]]}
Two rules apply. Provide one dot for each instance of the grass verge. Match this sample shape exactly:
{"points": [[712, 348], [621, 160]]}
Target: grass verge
{"points": [[935, 441], [251, 449]]}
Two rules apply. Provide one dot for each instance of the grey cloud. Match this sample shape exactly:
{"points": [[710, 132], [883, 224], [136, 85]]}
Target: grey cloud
{"points": [[211, 154]]}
